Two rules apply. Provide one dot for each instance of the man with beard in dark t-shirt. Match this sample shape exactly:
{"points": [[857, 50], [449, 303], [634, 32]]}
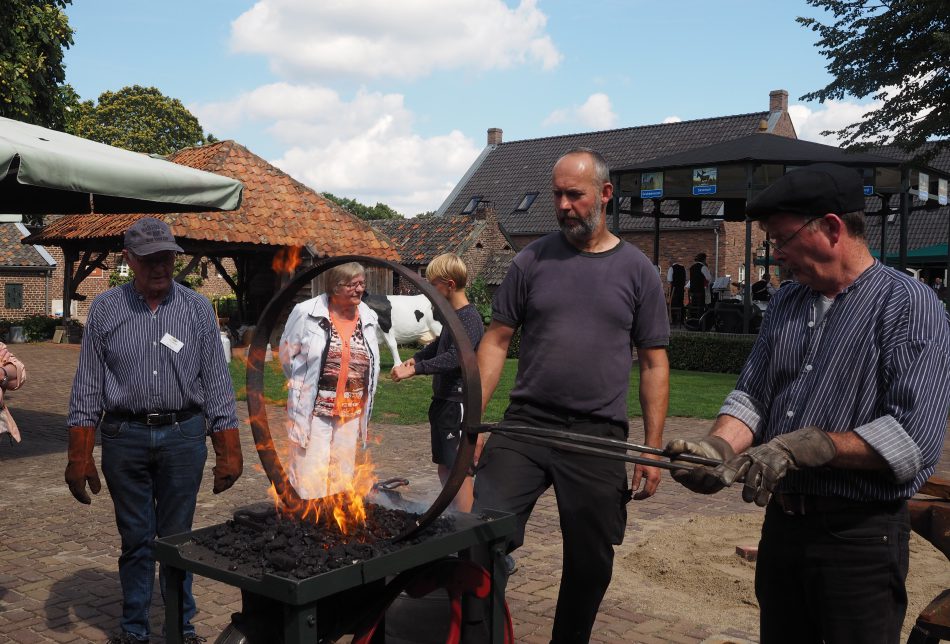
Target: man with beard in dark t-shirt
{"points": [[583, 298]]}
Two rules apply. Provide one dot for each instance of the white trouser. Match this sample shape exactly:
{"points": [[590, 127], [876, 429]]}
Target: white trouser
{"points": [[327, 464]]}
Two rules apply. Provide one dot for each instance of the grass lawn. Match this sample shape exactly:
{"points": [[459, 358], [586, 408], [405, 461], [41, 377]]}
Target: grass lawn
{"points": [[694, 394]]}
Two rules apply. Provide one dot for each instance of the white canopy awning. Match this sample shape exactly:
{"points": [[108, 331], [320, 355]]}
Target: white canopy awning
{"points": [[43, 171]]}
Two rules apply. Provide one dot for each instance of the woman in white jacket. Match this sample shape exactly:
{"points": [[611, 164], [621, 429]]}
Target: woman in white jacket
{"points": [[330, 355]]}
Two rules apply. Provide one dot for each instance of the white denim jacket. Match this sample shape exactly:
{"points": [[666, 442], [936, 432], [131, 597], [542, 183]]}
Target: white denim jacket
{"points": [[302, 350]]}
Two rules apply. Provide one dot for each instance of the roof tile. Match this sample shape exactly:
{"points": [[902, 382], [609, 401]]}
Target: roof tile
{"points": [[515, 168], [277, 211]]}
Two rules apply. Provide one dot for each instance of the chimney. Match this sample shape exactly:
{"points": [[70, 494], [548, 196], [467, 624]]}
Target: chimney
{"points": [[778, 100], [494, 135]]}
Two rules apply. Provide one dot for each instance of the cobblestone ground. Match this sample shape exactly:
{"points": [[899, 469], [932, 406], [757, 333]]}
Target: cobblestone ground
{"points": [[59, 559]]}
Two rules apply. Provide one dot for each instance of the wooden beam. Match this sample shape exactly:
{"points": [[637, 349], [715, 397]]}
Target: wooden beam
{"points": [[223, 273], [188, 269]]}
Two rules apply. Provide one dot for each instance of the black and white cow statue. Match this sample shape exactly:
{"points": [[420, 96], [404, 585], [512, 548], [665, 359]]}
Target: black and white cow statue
{"points": [[404, 319]]}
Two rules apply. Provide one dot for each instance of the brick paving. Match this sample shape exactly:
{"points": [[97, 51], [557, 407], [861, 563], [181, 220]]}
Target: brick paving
{"points": [[59, 559]]}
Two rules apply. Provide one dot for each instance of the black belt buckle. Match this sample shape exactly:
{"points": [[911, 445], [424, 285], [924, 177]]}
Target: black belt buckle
{"points": [[792, 504], [159, 419]]}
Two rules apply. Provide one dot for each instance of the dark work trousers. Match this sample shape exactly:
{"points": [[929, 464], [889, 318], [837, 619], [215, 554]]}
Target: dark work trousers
{"points": [[591, 492], [833, 577]]}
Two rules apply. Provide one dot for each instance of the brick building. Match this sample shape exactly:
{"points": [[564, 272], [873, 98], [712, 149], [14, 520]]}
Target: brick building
{"points": [[514, 178], [26, 275], [476, 238]]}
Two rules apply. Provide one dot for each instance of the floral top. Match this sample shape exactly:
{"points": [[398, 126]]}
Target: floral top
{"points": [[342, 386]]}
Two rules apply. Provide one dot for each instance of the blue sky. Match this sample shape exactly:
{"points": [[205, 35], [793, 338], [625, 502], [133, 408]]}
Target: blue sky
{"points": [[384, 100]]}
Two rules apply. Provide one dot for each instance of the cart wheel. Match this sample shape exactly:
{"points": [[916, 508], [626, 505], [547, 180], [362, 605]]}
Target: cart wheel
{"points": [[232, 635]]}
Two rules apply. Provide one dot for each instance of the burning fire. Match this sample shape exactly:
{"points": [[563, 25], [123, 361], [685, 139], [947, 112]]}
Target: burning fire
{"points": [[344, 503], [286, 260], [344, 484]]}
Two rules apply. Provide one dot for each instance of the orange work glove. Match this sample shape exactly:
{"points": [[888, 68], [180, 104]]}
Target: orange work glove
{"points": [[228, 459], [81, 466]]}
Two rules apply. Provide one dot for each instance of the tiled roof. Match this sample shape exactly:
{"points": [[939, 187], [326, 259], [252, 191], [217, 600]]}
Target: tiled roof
{"points": [[941, 160], [924, 227], [513, 169], [497, 265], [420, 240], [277, 211], [14, 254]]}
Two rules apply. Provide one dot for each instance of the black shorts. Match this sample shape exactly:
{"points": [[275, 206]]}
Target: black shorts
{"points": [[445, 425]]}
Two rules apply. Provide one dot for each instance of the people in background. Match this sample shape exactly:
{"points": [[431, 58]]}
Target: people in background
{"points": [[700, 279], [676, 283]]}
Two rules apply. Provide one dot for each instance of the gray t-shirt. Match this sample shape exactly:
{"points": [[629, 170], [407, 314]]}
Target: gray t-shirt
{"points": [[580, 315]]}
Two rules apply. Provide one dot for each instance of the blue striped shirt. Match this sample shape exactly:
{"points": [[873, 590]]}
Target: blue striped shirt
{"points": [[123, 365], [877, 363]]}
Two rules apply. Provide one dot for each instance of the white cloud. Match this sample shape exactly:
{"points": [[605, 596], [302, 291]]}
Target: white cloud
{"points": [[407, 172], [831, 115], [363, 148], [672, 119], [381, 38], [834, 115], [300, 114], [596, 114]]}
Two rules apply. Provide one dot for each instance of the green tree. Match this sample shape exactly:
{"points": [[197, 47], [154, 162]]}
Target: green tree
{"points": [[379, 211], [141, 119], [895, 51], [33, 35]]}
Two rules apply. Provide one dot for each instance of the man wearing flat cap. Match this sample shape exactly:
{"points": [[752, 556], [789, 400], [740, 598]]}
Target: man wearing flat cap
{"points": [[838, 417], [153, 377]]}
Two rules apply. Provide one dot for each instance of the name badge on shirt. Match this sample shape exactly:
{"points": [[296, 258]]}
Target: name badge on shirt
{"points": [[172, 342]]}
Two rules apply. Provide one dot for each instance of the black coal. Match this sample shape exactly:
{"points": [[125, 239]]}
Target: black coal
{"points": [[263, 541]]}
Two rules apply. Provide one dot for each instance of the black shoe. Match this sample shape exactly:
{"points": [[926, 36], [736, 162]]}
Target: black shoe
{"points": [[510, 565], [124, 638]]}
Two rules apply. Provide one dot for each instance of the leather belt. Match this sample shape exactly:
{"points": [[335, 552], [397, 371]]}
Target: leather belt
{"points": [[804, 504], [153, 419]]}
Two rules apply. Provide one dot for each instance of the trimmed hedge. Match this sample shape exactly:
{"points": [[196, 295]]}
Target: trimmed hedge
{"points": [[717, 352], [36, 328]]}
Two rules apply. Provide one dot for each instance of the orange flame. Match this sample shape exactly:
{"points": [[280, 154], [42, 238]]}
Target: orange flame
{"points": [[345, 502], [286, 260], [345, 487]]}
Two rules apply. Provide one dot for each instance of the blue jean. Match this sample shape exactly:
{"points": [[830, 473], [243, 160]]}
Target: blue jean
{"points": [[153, 474], [833, 577]]}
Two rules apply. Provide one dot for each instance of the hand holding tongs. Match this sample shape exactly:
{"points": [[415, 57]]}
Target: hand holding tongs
{"points": [[597, 446]]}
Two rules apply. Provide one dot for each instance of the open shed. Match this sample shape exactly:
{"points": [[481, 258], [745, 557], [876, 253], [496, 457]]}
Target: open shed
{"points": [[281, 223], [733, 172]]}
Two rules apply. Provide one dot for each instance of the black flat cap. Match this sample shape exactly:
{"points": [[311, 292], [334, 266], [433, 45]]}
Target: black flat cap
{"points": [[813, 191]]}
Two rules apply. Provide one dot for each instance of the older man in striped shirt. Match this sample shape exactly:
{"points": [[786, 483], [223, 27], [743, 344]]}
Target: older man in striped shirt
{"points": [[838, 417], [153, 377]]}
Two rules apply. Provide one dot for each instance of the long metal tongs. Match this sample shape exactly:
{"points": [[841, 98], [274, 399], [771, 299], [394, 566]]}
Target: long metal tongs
{"points": [[597, 446]]}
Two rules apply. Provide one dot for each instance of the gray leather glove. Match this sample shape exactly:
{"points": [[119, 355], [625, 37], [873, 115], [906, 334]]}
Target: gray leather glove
{"points": [[701, 478], [765, 465]]}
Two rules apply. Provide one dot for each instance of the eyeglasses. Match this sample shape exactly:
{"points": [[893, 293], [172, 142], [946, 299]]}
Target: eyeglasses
{"points": [[354, 286], [778, 246]]}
